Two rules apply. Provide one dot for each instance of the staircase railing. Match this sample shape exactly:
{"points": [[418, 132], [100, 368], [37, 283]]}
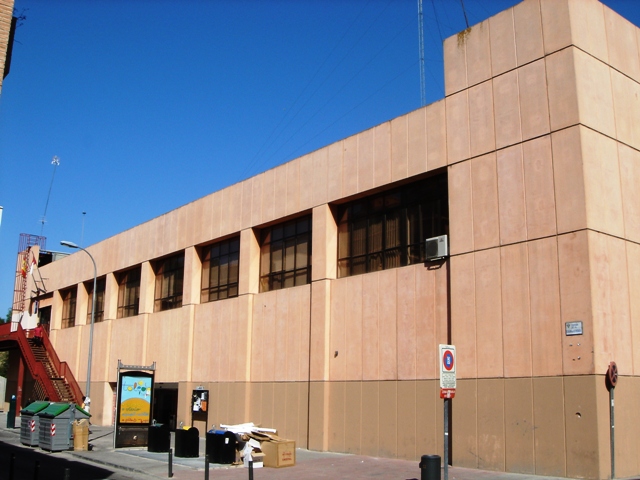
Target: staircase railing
{"points": [[35, 367], [38, 372], [62, 368]]}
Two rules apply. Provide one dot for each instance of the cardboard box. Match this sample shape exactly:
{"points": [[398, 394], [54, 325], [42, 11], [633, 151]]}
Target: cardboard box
{"points": [[279, 453]]}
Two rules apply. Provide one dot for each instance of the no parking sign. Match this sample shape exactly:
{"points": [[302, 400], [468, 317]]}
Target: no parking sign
{"points": [[447, 371]]}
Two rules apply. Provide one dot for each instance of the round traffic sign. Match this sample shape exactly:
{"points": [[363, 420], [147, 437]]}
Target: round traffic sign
{"points": [[612, 374], [447, 360]]}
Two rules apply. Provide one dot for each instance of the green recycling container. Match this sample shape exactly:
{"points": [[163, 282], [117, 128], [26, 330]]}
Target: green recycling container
{"points": [[30, 423]]}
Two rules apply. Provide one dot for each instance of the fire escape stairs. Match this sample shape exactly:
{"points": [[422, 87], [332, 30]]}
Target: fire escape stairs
{"points": [[54, 379], [60, 385]]}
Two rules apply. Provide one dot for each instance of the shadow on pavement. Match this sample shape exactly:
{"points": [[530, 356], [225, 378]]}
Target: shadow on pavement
{"points": [[51, 467]]}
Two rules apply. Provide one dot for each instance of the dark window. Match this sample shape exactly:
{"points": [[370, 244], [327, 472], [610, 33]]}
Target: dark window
{"points": [[220, 263], [69, 307], [388, 230], [128, 292], [169, 277], [285, 255], [99, 315]]}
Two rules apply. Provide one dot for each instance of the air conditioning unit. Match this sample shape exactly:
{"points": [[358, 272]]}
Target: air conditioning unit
{"points": [[437, 247]]}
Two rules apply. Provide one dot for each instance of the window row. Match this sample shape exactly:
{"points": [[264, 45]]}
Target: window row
{"points": [[381, 231]]}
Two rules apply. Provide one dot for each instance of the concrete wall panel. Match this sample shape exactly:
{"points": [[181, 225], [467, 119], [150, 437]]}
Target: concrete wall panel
{"points": [[588, 28], [128, 338], [602, 183], [370, 432], [366, 160], [484, 190], [416, 142], [399, 138], [406, 323], [465, 422], [455, 64], [511, 195], [460, 208], [388, 420], [478, 47], [481, 124], [353, 417], [350, 166], [382, 154], [320, 177], [167, 328], [571, 212], [610, 303], [549, 418], [292, 204], [581, 413], [626, 103], [547, 329], [503, 44], [532, 90], [436, 135], [457, 107], [556, 25], [388, 326], [633, 270], [463, 314], [622, 44], [506, 105], [489, 325], [575, 301], [519, 426], [562, 89], [335, 170], [516, 324], [595, 97], [491, 428], [539, 188], [528, 27]]}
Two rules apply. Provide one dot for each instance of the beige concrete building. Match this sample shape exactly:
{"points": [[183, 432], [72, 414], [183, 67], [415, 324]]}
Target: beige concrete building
{"points": [[7, 27], [301, 299]]}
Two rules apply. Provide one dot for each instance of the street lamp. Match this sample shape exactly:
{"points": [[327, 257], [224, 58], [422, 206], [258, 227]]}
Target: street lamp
{"points": [[87, 401]]}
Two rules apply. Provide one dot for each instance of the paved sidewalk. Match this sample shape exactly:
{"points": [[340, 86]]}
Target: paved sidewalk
{"points": [[138, 463]]}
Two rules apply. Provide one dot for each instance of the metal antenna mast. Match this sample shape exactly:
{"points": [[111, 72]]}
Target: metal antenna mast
{"points": [[55, 162], [423, 94]]}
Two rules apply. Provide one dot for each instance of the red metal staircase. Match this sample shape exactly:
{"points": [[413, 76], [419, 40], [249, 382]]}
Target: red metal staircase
{"points": [[54, 379]]}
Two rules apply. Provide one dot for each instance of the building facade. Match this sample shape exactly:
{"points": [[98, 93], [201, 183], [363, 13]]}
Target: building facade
{"points": [[301, 297]]}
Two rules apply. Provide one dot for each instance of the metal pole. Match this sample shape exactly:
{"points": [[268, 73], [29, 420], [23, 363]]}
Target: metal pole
{"points": [[170, 474], [93, 314], [206, 467], [446, 439], [613, 441], [250, 469]]}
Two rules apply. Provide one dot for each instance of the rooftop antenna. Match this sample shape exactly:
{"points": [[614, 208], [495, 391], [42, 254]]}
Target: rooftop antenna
{"points": [[423, 95], [55, 162]]}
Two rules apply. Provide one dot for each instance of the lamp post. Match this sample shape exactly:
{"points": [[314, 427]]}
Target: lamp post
{"points": [[87, 401]]}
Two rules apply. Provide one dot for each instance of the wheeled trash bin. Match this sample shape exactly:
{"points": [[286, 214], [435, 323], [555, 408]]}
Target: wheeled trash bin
{"points": [[30, 423], [221, 446], [159, 438], [56, 425], [187, 443]]}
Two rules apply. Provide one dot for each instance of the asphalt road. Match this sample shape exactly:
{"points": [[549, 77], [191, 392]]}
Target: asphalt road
{"points": [[22, 463]]}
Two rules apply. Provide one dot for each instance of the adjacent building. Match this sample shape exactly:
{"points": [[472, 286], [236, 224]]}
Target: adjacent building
{"points": [[301, 298]]}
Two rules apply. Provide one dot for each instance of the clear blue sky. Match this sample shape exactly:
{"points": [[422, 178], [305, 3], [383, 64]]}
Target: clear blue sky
{"points": [[151, 104]]}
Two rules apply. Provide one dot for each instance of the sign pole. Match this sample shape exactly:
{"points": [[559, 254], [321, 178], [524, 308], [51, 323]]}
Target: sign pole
{"points": [[446, 439], [447, 392]]}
